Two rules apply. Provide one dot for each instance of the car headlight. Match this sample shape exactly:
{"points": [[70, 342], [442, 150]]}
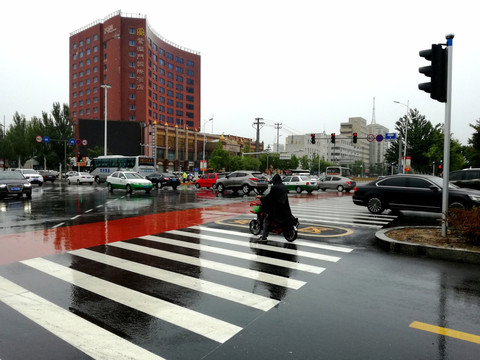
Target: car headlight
{"points": [[475, 198], [27, 185], [3, 186]]}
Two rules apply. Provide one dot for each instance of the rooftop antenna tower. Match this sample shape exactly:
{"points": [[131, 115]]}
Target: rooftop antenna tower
{"points": [[373, 113]]}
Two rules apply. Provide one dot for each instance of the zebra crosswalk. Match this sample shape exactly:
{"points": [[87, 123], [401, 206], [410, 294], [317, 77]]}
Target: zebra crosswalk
{"points": [[195, 287], [339, 211]]}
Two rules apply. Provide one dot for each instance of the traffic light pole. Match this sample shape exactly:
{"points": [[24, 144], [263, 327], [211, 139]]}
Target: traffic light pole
{"points": [[446, 144]]}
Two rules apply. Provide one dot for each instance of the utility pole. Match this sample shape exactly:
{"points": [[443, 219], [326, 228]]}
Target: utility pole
{"points": [[278, 126], [258, 122]]}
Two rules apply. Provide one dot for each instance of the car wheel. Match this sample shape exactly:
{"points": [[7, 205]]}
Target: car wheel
{"points": [[197, 185], [147, 191], [456, 204], [375, 205], [214, 186], [220, 188], [129, 189], [298, 189], [78, 182], [68, 181], [110, 187], [160, 184], [339, 188], [246, 189], [309, 191], [174, 187], [323, 189], [348, 190], [97, 179], [28, 195], [40, 184]]}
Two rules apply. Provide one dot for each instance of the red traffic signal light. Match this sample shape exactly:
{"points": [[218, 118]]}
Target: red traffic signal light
{"points": [[332, 138], [354, 138], [313, 139]]}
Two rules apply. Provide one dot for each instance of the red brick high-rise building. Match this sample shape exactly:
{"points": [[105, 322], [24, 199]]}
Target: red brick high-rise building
{"points": [[148, 79]]}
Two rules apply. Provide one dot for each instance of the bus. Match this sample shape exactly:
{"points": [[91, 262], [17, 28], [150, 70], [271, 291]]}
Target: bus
{"points": [[103, 166], [339, 170]]}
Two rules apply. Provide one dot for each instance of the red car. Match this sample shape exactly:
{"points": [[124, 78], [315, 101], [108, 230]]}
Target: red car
{"points": [[208, 180]]}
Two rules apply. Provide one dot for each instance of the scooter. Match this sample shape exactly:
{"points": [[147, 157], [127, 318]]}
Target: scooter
{"points": [[289, 229]]}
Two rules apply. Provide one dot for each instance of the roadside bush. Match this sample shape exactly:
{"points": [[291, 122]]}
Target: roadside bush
{"points": [[466, 223]]}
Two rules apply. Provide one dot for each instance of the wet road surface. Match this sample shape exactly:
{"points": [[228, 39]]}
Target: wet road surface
{"points": [[193, 283]]}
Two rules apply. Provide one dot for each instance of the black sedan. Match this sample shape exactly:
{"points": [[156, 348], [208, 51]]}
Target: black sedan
{"points": [[160, 180], [412, 192], [48, 175], [14, 183]]}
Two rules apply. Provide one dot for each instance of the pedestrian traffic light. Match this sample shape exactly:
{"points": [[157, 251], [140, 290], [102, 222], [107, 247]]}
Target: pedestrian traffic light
{"points": [[437, 72], [354, 138], [79, 158], [332, 138], [313, 139]]}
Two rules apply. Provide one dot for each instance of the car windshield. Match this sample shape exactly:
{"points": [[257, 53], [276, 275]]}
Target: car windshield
{"points": [[84, 173], [15, 175], [29, 172], [133, 176]]}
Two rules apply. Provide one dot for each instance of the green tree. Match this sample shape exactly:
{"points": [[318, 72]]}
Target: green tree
{"points": [[219, 158], [472, 150]]}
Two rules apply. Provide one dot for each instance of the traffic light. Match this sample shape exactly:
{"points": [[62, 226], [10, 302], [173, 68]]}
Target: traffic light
{"points": [[440, 166], [79, 158], [332, 138], [354, 138], [313, 139], [437, 72]]}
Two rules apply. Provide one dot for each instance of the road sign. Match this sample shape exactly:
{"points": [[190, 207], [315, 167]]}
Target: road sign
{"points": [[38, 138], [390, 136], [78, 141], [84, 142], [46, 139], [285, 156], [370, 137], [379, 137], [72, 141]]}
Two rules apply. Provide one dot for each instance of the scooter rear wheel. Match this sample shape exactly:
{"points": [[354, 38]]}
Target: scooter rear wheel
{"points": [[255, 227], [290, 234]]}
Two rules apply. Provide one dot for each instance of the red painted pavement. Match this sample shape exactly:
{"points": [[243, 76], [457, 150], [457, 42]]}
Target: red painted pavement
{"points": [[21, 246]]}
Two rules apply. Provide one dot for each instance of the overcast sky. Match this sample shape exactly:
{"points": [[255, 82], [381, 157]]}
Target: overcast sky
{"points": [[307, 64]]}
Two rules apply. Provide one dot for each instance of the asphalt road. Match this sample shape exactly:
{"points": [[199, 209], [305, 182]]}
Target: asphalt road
{"points": [[177, 275]]}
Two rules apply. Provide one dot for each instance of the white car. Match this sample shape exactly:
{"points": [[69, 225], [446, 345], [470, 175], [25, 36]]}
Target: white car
{"points": [[80, 178], [129, 181], [32, 176]]}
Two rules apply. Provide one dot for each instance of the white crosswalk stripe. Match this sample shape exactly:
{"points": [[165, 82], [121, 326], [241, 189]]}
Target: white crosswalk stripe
{"points": [[230, 268]]}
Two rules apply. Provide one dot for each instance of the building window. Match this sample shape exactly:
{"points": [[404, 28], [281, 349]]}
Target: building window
{"points": [[179, 78], [131, 31], [131, 42], [131, 118], [131, 86], [190, 73], [131, 107], [190, 98], [179, 113], [131, 53], [131, 64], [95, 110], [131, 96], [179, 104], [189, 81], [131, 75], [95, 37], [95, 48], [190, 63], [179, 59], [179, 87], [179, 69]]}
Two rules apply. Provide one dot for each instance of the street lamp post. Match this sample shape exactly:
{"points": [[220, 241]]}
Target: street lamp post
{"points": [[267, 150], [406, 129], [106, 87], [204, 140]]}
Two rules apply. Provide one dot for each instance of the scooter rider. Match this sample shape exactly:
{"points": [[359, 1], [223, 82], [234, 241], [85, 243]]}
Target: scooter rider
{"points": [[275, 205]]}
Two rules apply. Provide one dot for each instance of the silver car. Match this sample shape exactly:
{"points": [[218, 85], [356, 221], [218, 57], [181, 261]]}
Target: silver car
{"points": [[243, 180], [339, 183]]}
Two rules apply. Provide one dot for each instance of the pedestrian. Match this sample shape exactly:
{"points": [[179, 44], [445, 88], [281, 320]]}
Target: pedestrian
{"points": [[184, 176]]}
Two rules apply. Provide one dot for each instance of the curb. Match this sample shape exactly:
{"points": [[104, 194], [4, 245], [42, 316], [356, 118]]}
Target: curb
{"points": [[434, 252]]}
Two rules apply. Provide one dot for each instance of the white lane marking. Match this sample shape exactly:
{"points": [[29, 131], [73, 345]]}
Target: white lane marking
{"points": [[229, 269], [237, 254], [88, 211], [55, 226], [239, 296], [282, 250], [204, 325], [75, 217], [248, 235], [89, 338]]}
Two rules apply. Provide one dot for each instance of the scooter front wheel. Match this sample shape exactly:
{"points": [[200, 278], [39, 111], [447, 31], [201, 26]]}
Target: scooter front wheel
{"points": [[290, 234], [255, 227]]}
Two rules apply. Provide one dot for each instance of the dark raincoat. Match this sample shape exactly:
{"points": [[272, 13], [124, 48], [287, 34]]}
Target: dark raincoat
{"points": [[276, 203]]}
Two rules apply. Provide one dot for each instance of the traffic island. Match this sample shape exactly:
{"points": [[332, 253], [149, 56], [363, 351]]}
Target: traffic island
{"points": [[466, 254]]}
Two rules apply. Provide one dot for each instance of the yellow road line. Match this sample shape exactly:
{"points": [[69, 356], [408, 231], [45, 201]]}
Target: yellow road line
{"points": [[447, 332]]}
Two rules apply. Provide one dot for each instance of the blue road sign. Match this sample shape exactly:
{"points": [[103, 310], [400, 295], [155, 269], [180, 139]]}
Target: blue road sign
{"points": [[379, 137], [390, 136], [72, 141], [46, 139]]}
